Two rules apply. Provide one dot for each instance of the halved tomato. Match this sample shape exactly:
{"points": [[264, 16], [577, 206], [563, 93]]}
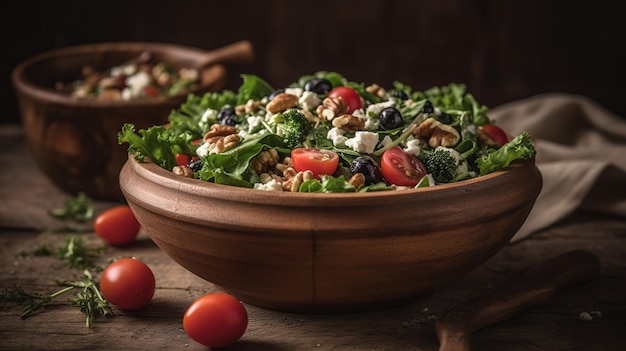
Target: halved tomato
{"points": [[400, 168], [318, 161], [495, 133]]}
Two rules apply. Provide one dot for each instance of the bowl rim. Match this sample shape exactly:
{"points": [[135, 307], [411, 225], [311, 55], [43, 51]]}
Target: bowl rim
{"points": [[154, 173], [50, 94]]}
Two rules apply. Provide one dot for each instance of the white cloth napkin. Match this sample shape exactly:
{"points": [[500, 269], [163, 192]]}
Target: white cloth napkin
{"points": [[581, 153]]}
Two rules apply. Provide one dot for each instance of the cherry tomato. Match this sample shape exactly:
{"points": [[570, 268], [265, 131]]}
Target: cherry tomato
{"points": [[318, 161], [151, 91], [400, 168], [117, 225], [495, 133], [350, 96], [216, 320], [128, 283], [182, 159]]}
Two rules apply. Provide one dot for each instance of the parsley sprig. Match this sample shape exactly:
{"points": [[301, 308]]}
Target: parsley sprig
{"points": [[88, 298]]}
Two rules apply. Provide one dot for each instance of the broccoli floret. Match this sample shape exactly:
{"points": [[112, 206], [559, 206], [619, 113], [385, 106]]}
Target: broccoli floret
{"points": [[442, 164], [295, 128]]}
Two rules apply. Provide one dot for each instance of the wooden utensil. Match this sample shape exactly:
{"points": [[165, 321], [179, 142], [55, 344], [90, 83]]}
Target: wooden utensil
{"points": [[239, 52], [539, 284]]}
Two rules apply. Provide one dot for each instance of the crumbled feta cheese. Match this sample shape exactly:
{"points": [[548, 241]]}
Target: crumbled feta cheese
{"points": [[208, 116], [254, 123], [359, 113], [272, 185], [463, 168], [337, 137], [309, 100], [413, 147], [363, 142], [124, 70], [127, 94], [294, 91], [203, 150], [137, 82], [374, 109], [386, 141]]}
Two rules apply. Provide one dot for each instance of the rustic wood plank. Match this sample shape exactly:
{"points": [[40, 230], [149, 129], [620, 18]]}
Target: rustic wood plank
{"points": [[555, 325]]}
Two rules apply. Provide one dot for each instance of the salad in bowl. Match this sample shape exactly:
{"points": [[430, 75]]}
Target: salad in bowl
{"points": [[326, 133]]}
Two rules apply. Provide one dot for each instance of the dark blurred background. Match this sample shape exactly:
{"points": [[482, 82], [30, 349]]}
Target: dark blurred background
{"points": [[503, 50]]}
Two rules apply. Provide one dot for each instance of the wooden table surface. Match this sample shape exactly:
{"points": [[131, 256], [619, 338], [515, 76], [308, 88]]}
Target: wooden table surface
{"points": [[26, 196]]}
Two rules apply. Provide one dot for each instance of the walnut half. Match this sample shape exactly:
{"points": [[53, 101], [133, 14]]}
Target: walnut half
{"points": [[436, 133]]}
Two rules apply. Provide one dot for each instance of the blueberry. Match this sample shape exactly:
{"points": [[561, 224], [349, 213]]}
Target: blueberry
{"points": [[400, 94], [318, 85], [227, 115], [445, 118], [368, 167], [428, 107], [390, 118], [195, 165]]}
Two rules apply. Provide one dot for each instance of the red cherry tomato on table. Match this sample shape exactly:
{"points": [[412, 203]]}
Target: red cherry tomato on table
{"points": [[128, 283], [349, 95], [318, 161], [400, 168], [216, 320], [495, 133], [117, 225]]}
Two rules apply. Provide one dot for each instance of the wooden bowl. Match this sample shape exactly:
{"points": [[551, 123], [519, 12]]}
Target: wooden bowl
{"points": [[74, 141], [330, 253]]}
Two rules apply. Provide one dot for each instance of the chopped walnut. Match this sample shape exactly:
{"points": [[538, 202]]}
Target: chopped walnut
{"points": [[183, 170], [282, 102], [332, 107], [349, 122], [310, 116], [221, 137], [436, 133], [220, 130], [221, 144], [357, 180], [262, 162], [293, 184], [252, 106], [377, 90]]}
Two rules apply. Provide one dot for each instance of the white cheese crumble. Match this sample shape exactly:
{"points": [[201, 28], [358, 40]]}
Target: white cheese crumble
{"points": [[272, 185], [413, 147], [208, 116], [337, 137], [294, 91], [135, 85], [386, 141], [254, 123], [309, 100], [364, 142], [374, 109], [203, 150]]}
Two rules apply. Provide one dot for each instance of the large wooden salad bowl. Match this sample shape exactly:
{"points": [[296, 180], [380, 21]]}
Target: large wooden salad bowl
{"points": [[330, 253]]}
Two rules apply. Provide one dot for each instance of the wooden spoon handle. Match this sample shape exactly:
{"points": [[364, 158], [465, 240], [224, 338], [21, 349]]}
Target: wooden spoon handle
{"points": [[454, 327], [238, 53]]}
